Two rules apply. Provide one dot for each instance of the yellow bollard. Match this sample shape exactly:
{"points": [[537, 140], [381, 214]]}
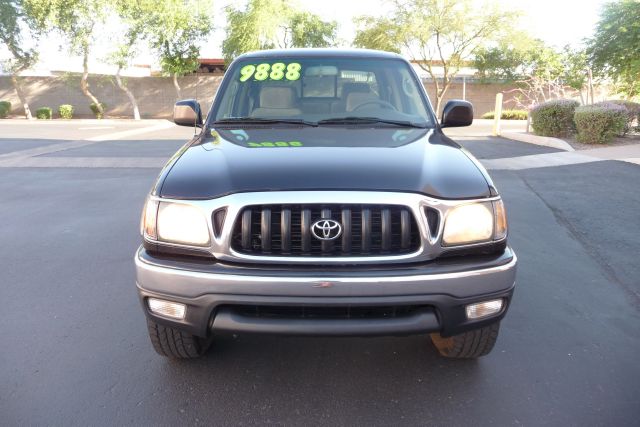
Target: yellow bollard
{"points": [[498, 113]]}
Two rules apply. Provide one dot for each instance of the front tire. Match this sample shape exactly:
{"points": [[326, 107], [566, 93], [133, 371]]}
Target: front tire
{"points": [[175, 344], [468, 345]]}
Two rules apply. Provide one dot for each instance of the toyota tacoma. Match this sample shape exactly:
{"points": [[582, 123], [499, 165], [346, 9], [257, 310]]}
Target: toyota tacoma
{"points": [[321, 198]]}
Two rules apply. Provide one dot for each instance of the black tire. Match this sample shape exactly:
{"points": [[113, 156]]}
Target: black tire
{"points": [[173, 343], [468, 345]]}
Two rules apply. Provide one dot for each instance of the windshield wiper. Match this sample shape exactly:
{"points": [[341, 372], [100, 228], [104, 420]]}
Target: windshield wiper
{"points": [[262, 121], [360, 120]]}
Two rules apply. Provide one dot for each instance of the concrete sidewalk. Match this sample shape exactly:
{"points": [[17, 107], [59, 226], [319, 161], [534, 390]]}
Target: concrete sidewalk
{"points": [[625, 153]]}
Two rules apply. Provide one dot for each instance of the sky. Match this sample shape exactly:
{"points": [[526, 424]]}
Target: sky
{"points": [[557, 22]]}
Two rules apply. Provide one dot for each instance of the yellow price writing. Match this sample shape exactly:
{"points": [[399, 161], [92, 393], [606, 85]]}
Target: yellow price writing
{"points": [[276, 71], [274, 144]]}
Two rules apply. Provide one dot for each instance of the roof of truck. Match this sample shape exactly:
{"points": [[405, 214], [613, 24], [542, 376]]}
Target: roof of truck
{"points": [[320, 52]]}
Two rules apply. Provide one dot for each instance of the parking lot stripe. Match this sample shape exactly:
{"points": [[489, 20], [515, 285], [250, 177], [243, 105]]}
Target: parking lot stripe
{"points": [[84, 162], [539, 161], [131, 132]]}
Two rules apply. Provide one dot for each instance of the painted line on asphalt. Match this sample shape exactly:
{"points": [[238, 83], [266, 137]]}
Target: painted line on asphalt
{"points": [[46, 149], [85, 162], [562, 158], [97, 128], [15, 158], [131, 132]]}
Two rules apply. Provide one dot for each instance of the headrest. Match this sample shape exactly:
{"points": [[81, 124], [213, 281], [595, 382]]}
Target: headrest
{"points": [[348, 88], [277, 97], [355, 99]]}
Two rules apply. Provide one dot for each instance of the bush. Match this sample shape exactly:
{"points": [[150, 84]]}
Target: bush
{"points": [[96, 112], [44, 113], [508, 115], [5, 109], [633, 113], [65, 111], [598, 124], [554, 118]]}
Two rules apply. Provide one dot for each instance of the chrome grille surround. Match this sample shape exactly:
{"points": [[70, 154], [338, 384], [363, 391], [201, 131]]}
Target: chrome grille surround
{"points": [[221, 246]]}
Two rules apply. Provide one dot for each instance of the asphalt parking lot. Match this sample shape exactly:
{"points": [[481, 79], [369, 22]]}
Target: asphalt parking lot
{"points": [[75, 349]]}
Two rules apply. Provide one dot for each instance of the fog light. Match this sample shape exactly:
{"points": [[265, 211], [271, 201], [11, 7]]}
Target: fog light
{"points": [[484, 309], [167, 308]]}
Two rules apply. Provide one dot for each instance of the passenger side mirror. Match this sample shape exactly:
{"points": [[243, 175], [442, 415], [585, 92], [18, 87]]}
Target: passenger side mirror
{"points": [[457, 113], [187, 113]]}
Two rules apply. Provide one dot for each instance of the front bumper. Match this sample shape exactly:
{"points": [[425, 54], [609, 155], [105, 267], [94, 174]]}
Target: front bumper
{"points": [[438, 290]]}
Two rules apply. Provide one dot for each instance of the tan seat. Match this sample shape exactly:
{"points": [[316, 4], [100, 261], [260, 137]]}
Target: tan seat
{"points": [[277, 101], [348, 88], [355, 99]]}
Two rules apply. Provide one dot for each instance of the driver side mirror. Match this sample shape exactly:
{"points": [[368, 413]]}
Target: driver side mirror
{"points": [[457, 113], [187, 113]]}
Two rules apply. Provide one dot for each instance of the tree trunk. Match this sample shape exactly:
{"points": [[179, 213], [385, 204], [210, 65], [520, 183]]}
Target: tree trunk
{"points": [[132, 99], [177, 86], [440, 95], [84, 84], [590, 78], [23, 100]]}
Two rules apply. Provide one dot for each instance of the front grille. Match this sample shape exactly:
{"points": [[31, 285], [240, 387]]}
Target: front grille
{"points": [[326, 312], [285, 230]]}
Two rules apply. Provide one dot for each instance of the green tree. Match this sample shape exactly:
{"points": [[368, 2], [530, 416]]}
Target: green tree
{"points": [[268, 24], [13, 22], [308, 30], [442, 33], [532, 64], [75, 20], [133, 16], [511, 59], [377, 33], [614, 49], [174, 29]]}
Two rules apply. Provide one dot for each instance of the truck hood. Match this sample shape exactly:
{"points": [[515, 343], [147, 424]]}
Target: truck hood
{"points": [[225, 161]]}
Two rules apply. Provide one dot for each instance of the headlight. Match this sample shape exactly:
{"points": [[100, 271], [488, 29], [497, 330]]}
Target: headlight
{"points": [[475, 223], [175, 223]]}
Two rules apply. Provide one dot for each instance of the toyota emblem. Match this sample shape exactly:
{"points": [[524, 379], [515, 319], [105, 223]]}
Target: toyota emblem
{"points": [[326, 229]]}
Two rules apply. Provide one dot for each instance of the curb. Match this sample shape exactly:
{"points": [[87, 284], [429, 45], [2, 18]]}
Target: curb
{"points": [[538, 140]]}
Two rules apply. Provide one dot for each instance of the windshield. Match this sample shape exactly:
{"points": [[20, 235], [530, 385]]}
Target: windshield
{"points": [[323, 91]]}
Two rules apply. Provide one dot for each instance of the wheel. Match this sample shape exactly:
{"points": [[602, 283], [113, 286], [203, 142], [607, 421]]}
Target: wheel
{"points": [[173, 343], [468, 345]]}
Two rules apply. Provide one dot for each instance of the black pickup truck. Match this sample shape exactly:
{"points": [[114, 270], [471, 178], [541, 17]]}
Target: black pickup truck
{"points": [[321, 197]]}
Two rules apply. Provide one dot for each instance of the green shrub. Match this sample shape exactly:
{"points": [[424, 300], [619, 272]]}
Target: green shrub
{"points": [[96, 112], [44, 113], [5, 109], [508, 115], [65, 111], [633, 113], [598, 124], [554, 118]]}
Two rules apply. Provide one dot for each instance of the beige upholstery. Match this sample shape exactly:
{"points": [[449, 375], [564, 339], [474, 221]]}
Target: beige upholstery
{"points": [[278, 101], [341, 105], [354, 99]]}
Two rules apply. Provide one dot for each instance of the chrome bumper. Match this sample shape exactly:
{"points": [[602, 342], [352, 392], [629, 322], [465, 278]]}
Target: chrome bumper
{"points": [[204, 288]]}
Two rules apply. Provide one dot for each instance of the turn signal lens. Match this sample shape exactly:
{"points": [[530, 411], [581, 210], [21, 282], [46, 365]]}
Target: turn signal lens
{"points": [[484, 309], [501, 220], [167, 308], [149, 216]]}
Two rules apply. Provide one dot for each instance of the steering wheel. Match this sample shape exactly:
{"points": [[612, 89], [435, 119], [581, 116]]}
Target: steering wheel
{"points": [[384, 104]]}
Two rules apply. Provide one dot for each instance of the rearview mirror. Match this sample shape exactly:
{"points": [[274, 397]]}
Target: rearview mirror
{"points": [[187, 113], [457, 113]]}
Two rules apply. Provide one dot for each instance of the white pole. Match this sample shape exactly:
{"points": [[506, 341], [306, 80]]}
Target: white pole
{"points": [[497, 114], [464, 87]]}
